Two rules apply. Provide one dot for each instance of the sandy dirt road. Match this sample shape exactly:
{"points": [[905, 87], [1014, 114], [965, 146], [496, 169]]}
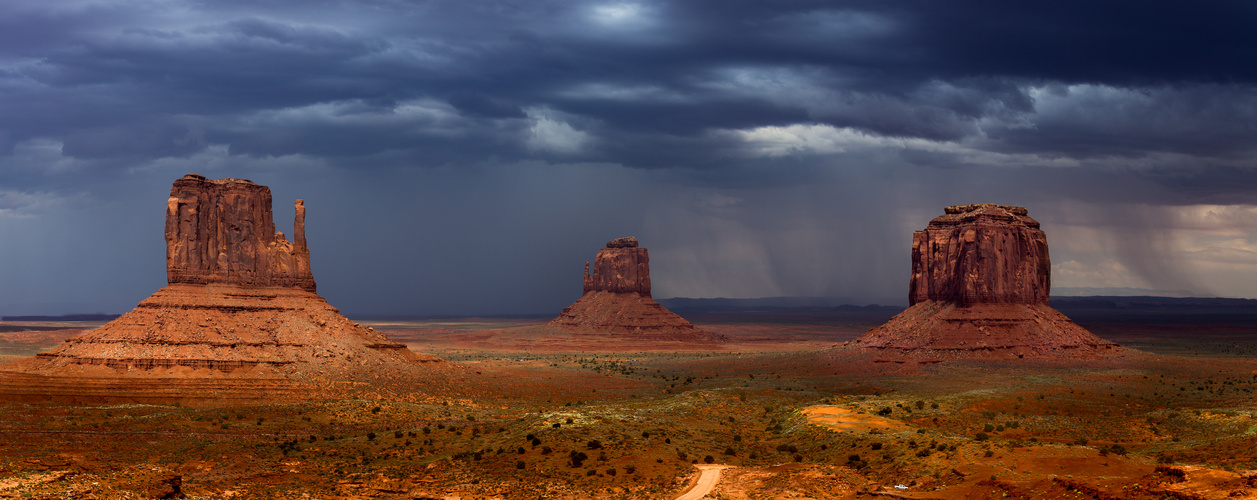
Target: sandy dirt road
{"points": [[709, 476]]}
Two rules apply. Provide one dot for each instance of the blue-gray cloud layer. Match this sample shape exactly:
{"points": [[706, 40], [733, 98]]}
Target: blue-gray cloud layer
{"points": [[474, 151]]}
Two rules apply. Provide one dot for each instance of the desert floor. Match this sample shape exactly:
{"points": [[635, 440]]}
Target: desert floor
{"points": [[517, 414]]}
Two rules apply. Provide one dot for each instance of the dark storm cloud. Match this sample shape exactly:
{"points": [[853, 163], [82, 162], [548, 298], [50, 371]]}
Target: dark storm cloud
{"points": [[741, 135], [121, 81]]}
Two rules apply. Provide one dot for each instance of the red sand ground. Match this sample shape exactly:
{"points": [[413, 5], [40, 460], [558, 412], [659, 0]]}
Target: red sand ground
{"points": [[1154, 426]]}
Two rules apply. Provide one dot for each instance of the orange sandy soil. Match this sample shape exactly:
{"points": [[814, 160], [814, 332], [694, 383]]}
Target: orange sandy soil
{"points": [[511, 417]]}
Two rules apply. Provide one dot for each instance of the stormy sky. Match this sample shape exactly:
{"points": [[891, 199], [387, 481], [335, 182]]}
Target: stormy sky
{"points": [[467, 157]]}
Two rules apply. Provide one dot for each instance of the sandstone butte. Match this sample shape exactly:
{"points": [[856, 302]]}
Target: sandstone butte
{"points": [[617, 300], [240, 300], [979, 289]]}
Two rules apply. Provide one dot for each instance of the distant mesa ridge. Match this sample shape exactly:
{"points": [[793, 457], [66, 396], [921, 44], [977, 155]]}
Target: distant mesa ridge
{"points": [[616, 299], [240, 295], [980, 282]]}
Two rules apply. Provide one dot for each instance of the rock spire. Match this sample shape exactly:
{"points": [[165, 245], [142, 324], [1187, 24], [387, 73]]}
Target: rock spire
{"points": [[617, 300], [222, 231], [621, 267], [979, 288], [240, 296]]}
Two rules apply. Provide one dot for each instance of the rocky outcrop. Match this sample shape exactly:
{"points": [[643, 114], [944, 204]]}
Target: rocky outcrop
{"points": [[240, 299], [981, 254], [621, 267], [222, 231], [617, 300], [979, 288]]}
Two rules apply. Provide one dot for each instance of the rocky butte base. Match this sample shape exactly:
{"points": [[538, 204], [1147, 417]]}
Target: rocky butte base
{"points": [[979, 289], [617, 300], [240, 303]]}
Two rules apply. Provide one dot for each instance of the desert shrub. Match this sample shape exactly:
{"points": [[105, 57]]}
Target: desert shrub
{"points": [[730, 451], [520, 450], [737, 438], [645, 434], [934, 405], [787, 448], [398, 434], [920, 405], [630, 469], [535, 442], [885, 411], [798, 458], [1014, 424], [988, 454], [876, 446], [370, 436], [591, 472], [982, 436], [611, 472], [999, 428], [427, 430], [545, 450], [1117, 449], [519, 464], [556, 425], [576, 458], [1081, 441], [681, 454], [375, 410], [924, 452], [709, 459], [594, 444]]}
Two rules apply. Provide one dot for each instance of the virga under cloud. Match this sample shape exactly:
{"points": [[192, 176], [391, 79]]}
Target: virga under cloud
{"points": [[758, 148]]}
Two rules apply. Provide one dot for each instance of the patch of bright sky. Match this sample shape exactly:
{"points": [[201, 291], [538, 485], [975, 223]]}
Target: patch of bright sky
{"points": [[823, 139], [554, 135]]}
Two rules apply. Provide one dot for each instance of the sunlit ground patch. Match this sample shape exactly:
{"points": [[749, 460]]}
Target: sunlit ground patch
{"points": [[847, 420]]}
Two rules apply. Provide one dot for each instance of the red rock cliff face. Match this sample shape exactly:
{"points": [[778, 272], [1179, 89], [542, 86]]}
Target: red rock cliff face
{"points": [[621, 267], [223, 231], [981, 254], [979, 289]]}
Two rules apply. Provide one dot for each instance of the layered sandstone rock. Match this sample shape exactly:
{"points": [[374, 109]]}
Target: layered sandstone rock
{"points": [[222, 231], [240, 299], [979, 288], [981, 254], [617, 299]]}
